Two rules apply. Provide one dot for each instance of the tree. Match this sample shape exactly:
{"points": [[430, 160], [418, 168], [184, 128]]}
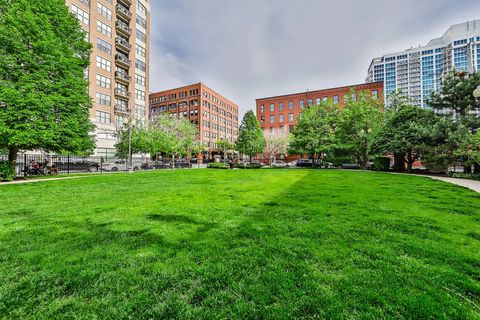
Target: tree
{"points": [[172, 135], [359, 120], [225, 146], [250, 137], [407, 132], [315, 131], [276, 144], [131, 139], [44, 100], [456, 97]]}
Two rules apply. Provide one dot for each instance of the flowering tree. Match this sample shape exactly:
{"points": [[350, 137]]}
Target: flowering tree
{"points": [[276, 144]]}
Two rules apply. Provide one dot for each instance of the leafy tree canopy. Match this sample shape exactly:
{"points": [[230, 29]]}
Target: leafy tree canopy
{"points": [[251, 141], [44, 100]]}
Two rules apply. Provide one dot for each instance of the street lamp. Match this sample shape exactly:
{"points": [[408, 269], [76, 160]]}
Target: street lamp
{"points": [[476, 92], [127, 123]]}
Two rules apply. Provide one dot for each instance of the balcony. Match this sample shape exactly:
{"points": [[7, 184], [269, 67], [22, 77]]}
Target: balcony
{"points": [[126, 3], [122, 60], [122, 77], [119, 109], [123, 45], [121, 93], [123, 28], [123, 12]]}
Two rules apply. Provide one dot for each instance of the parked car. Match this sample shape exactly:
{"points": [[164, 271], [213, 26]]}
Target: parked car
{"points": [[156, 165], [120, 165], [292, 164], [182, 163], [78, 165], [351, 166], [279, 164], [304, 163]]}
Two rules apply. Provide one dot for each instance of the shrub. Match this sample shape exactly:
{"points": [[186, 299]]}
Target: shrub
{"points": [[7, 172], [218, 165], [338, 161], [381, 163], [248, 166], [471, 176]]}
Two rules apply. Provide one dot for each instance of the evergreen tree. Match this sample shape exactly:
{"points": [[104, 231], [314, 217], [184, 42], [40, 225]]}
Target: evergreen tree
{"points": [[456, 97], [251, 141], [44, 100]]}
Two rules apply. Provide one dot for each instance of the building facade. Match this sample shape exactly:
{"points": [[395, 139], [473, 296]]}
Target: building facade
{"points": [[282, 112], [215, 115], [119, 31], [418, 71]]}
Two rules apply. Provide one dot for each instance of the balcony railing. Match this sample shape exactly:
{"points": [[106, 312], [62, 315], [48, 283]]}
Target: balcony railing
{"points": [[123, 60], [123, 12], [122, 44], [122, 77], [123, 28], [121, 109], [126, 3], [122, 93]]}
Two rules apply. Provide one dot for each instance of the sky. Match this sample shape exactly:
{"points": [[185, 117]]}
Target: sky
{"points": [[249, 49]]}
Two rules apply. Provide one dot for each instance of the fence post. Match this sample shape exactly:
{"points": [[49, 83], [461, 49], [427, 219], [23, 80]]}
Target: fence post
{"points": [[25, 167], [68, 164]]}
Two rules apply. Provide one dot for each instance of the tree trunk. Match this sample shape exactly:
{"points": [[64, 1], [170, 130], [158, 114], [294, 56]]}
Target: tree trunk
{"points": [[398, 162], [12, 156], [467, 168], [173, 161], [476, 168], [410, 162]]}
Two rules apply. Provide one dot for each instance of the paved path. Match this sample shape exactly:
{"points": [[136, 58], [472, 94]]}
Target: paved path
{"points": [[470, 184], [39, 180]]}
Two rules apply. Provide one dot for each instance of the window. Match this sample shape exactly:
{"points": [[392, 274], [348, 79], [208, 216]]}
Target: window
{"points": [[272, 119], [141, 51], [262, 119], [281, 106], [104, 64], [104, 11], [325, 99], [103, 28], [291, 117], [262, 108], [302, 104], [139, 112], [272, 107], [375, 94], [102, 117], [317, 101], [140, 80], [335, 99], [103, 99], [280, 118], [140, 94], [80, 14], [103, 81], [141, 22], [290, 105], [141, 36], [140, 65], [310, 102], [104, 46], [141, 8]]}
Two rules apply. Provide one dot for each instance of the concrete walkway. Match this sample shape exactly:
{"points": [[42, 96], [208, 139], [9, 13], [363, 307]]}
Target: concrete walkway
{"points": [[470, 184], [39, 180]]}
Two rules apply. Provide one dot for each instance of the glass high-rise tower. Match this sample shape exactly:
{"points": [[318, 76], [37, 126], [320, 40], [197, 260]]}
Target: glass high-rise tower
{"points": [[418, 71]]}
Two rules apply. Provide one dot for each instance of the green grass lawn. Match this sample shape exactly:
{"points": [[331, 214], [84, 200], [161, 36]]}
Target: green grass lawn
{"points": [[269, 244]]}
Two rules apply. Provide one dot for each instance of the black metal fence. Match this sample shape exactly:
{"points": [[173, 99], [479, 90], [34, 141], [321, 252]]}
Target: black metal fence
{"points": [[39, 165]]}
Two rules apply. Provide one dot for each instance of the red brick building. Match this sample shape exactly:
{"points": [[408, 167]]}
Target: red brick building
{"points": [[281, 112], [215, 115]]}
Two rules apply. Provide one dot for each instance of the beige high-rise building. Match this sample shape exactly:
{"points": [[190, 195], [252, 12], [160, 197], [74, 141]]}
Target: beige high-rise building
{"points": [[119, 71]]}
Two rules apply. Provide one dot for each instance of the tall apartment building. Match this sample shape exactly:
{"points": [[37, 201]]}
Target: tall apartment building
{"points": [[119, 71], [419, 71], [215, 115], [282, 112]]}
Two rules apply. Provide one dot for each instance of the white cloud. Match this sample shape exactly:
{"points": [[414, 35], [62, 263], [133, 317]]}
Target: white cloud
{"points": [[250, 49]]}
